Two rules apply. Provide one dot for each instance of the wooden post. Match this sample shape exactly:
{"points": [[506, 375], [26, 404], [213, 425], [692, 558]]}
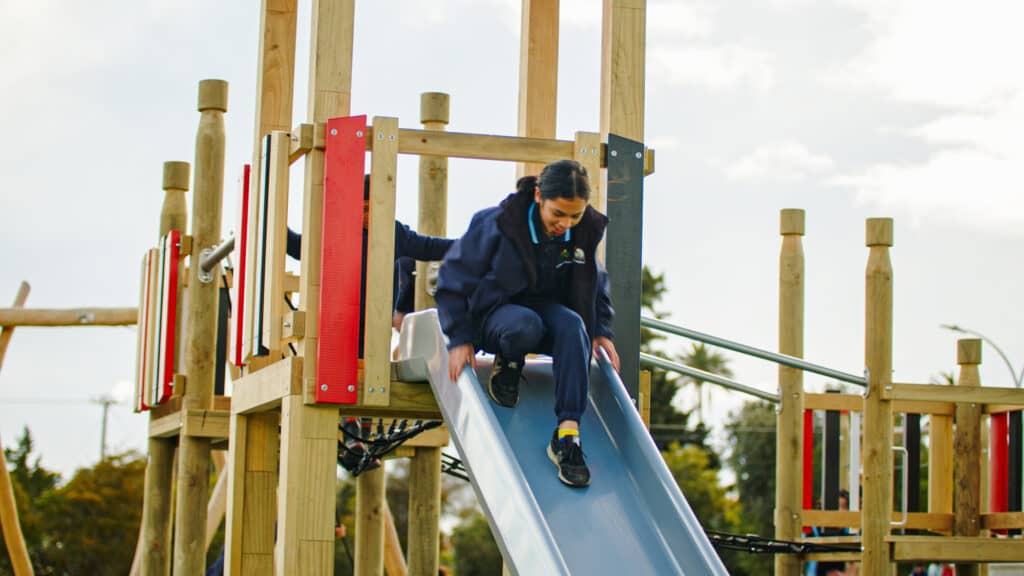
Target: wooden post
{"points": [[425, 468], [252, 487], [200, 350], [623, 39], [877, 504], [9, 522], [538, 74], [156, 504], [424, 511], [623, 42], [940, 465], [789, 443], [370, 523], [967, 446], [433, 188], [644, 398], [394, 562], [255, 443]]}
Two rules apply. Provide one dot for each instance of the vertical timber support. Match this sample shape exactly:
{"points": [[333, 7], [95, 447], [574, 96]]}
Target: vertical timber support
{"points": [[370, 511], [305, 531], [200, 349], [10, 525], [156, 504], [967, 446], [623, 42], [877, 505], [538, 74], [940, 464], [425, 469], [433, 187], [255, 444], [789, 437]]}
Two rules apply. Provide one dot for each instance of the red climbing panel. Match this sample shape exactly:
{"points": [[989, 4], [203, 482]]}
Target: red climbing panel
{"points": [[337, 357]]}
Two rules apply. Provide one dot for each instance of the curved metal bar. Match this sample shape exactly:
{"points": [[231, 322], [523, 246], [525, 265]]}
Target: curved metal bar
{"points": [[791, 361], [707, 377]]}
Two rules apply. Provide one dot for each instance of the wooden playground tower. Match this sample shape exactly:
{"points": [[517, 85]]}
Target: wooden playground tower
{"points": [[281, 422], [956, 471], [283, 435]]}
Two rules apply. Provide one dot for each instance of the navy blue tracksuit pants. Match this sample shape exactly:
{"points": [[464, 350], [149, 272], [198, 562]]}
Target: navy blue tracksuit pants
{"points": [[515, 330]]}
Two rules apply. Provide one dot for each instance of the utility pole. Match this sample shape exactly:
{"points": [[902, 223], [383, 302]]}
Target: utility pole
{"points": [[104, 401]]}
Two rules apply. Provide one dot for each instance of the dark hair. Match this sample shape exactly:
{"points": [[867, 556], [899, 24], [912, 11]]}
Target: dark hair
{"points": [[562, 179]]}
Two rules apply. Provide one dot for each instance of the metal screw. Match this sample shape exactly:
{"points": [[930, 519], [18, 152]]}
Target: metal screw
{"points": [[334, 131], [639, 155], [615, 152], [359, 133], [391, 137], [380, 136], [323, 387], [287, 324], [583, 150], [382, 390], [351, 388], [371, 390]]}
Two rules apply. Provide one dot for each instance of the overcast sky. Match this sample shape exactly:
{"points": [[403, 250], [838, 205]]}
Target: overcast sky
{"points": [[850, 109]]}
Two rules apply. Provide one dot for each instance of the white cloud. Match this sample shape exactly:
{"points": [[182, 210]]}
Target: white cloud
{"points": [[963, 187], [958, 59], [786, 161], [681, 19], [713, 67]]}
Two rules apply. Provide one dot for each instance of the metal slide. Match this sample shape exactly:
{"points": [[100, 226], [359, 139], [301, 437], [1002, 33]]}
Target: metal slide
{"points": [[632, 519]]}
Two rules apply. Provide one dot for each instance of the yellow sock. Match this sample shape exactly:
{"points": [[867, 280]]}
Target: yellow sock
{"points": [[565, 432]]}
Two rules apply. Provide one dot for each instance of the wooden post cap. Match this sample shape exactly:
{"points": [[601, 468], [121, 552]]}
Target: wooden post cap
{"points": [[434, 107], [791, 221], [176, 175], [968, 351], [213, 95], [879, 232]]}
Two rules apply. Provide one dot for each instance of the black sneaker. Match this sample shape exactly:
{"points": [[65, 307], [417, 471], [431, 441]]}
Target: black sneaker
{"points": [[503, 385], [352, 452], [567, 455]]}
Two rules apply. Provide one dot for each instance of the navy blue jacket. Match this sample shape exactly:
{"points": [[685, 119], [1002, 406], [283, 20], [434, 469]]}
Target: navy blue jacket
{"points": [[493, 263]]}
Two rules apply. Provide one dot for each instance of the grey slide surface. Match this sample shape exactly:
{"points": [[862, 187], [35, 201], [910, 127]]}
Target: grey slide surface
{"points": [[632, 519]]}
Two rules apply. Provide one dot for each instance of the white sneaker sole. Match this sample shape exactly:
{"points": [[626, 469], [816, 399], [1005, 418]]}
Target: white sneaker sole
{"points": [[554, 460]]}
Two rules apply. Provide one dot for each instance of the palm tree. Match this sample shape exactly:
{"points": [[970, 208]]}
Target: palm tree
{"points": [[708, 360]]}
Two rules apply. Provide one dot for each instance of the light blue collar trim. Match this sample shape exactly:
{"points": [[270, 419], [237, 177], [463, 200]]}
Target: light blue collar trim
{"points": [[533, 229]]}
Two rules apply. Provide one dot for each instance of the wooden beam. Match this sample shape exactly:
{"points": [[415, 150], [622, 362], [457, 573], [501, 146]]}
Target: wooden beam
{"points": [[623, 41], [380, 263], [877, 447], [394, 561], [433, 188], [277, 236], [301, 141], [275, 77], [967, 443], [958, 549], [855, 403], [407, 400], [538, 74], [201, 320], [424, 511], [370, 510], [68, 317], [481, 146], [264, 390], [852, 519], [1002, 521], [252, 489], [789, 440], [9, 522], [957, 394], [192, 422]]}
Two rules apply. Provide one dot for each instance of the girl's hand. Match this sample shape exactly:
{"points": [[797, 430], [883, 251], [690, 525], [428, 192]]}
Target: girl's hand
{"points": [[609, 347], [458, 357]]}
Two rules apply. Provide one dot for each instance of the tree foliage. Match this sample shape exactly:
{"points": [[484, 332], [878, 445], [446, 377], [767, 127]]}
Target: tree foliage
{"points": [[476, 553]]}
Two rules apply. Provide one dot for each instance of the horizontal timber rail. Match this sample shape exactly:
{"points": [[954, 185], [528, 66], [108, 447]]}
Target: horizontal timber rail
{"points": [[68, 317], [722, 381], [491, 147], [783, 359]]}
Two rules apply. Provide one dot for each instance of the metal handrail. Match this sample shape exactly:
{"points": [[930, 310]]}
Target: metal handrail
{"points": [[785, 360], [649, 360]]}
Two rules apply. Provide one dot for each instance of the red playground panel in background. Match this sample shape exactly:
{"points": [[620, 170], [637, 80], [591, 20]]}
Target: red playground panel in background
{"points": [[341, 278]]}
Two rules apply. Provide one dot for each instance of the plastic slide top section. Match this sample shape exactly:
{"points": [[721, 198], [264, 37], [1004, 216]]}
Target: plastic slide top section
{"points": [[632, 519]]}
